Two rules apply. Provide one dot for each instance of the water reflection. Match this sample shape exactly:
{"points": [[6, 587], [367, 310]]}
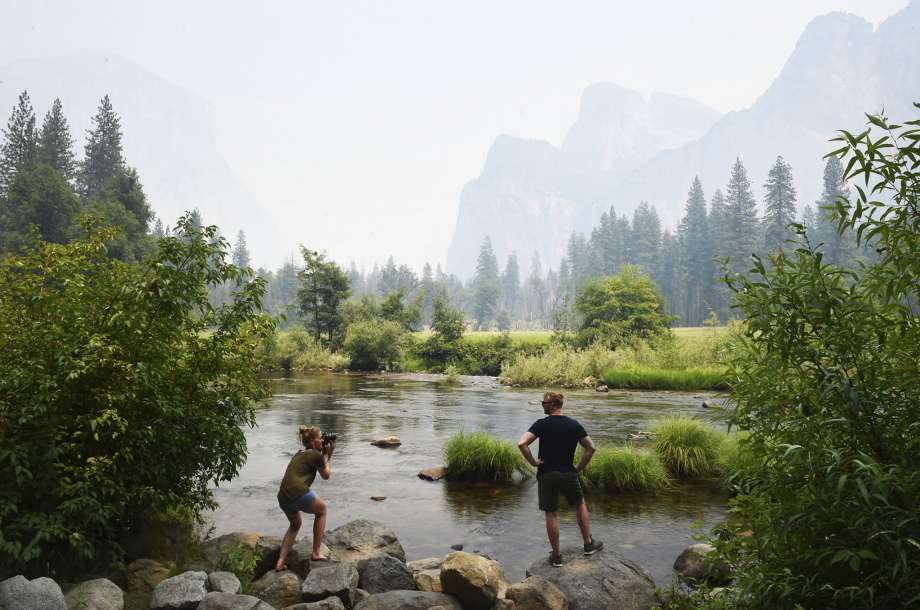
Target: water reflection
{"points": [[501, 521]]}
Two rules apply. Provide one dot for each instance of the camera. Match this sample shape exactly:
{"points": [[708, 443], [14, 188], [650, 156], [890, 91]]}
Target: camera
{"points": [[328, 437]]}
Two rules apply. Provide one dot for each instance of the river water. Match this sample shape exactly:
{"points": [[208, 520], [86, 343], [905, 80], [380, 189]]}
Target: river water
{"points": [[501, 521]]}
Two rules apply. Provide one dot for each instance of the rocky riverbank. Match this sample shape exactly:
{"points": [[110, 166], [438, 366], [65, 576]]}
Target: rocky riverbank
{"points": [[366, 570]]}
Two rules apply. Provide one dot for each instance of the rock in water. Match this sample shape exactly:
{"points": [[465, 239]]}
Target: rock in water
{"points": [[359, 540], [472, 579], [693, 563], [98, 594], [536, 593], [219, 600], [385, 573], [600, 581], [37, 594], [388, 441], [181, 592], [409, 600], [338, 579], [433, 474]]}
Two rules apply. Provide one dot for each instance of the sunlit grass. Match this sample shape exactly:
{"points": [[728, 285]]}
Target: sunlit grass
{"points": [[558, 366], [479, 456], [688, 447], [625, 468], [648, 378]]}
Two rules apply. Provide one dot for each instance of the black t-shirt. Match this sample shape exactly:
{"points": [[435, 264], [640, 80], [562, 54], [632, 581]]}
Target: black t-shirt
{"points": [[558, 436]]}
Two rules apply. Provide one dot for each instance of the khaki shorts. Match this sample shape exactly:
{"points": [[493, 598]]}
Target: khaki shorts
{"points": [[551, 484]]}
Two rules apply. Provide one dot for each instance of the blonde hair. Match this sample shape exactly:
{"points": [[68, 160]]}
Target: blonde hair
{"points": [[308, 433]]}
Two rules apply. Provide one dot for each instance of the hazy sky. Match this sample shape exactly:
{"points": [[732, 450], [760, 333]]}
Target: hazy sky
{"points": [[357, 123]]}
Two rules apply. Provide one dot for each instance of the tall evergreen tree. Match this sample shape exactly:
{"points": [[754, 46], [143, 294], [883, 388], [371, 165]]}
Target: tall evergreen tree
{"points": [[670, 277], [779, 205], [511, 286], [486, 285], [645, 243], [578, 256], [741, 226], [19, 140], [696, 254], [429, 289], [808, 218], [55, 144], [838, 247], [719, 235], [103, 152], [240, 254], [535, 291]]}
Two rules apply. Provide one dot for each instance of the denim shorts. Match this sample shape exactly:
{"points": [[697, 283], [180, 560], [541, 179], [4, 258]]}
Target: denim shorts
{"points": [[301, 503]]}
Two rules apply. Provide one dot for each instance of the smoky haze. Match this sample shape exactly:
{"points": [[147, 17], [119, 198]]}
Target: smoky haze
{"points": [[353, 128]]}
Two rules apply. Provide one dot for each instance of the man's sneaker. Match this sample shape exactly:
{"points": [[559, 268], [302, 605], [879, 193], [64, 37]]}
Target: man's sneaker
{"points": [[555, 560], [593, 546]]}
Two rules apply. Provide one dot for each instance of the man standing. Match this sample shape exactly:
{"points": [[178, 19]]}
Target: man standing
{"points": [[558, 436]]}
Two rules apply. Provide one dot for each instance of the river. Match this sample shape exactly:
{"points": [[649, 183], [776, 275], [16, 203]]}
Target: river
{"points": [[501, 521]]}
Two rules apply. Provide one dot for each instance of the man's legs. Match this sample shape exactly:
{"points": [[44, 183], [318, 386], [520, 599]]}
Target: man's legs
{"points": [[318, 509], [552, 530], [584, 522]]}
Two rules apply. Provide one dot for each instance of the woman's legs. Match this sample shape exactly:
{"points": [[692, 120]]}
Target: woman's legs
{"points": [[318, 509], [289, 536]]}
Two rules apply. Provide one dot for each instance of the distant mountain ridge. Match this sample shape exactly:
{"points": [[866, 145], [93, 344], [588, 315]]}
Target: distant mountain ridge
{"points": [[169, 136], [839, 70]]}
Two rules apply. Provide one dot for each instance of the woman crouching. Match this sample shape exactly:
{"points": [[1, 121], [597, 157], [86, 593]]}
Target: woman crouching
{"points": [[295, 495]]}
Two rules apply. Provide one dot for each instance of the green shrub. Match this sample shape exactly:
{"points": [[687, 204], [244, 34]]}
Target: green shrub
{"points": [[296, 349], [241, 561], [559, 365], [374, 345], [478, 456], [624, 468], [121, 391], [688, 447]]}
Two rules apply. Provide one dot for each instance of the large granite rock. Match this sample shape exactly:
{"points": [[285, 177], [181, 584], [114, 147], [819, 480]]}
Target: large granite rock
{"points": [[428, 563], [278, 588], [297, 560], [600, 581], [695, 563], [338, 579], [182, 592], [98, 594], [220, 600], [536, 593], [386, 573], [472, 579], [143, 575], [330, 603], [214, 547], [409, 600], [429, 580], [359, 540], [224, 582], [38, 594]]}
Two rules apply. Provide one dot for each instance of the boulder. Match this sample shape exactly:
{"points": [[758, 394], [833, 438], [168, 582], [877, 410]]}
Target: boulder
{"points": [[297, 560], [429, 580], [535, 593], [693, 563], [338, 579], [224, 582], [330, 603], [278, 588], [220, 600], [143, 575], [98, 594], [433, 474], [503, 604], [38, 594], [409, 600], [601, 387], [180, 592], [603, 580], [359, 540], [360, 595], [428, 563], [385, 573], [472, 579], [387, 441], [228, 542]]}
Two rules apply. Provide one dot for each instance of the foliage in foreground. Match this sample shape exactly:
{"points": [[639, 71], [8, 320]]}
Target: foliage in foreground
{"points": [[479, 456], [625, 468], [828, 387], [121, 391], [688, 447]]}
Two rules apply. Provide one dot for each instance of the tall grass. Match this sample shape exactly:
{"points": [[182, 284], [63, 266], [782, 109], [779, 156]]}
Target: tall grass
{"points": [[688, 447], [738, 465], [559, 366], [633, 376], [625, 468], [296, 350], [479, 456]]}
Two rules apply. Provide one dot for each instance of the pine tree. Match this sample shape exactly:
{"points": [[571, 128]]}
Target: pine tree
{"points": [[808, 219], [19, 139], [55, 144], [779, 206], [429, 289], [670, 277], [645, 243], [486, 286], [578, 256], [718, 234], [535, 291], [240, 254], [837, 247], [741, 226], [103, 153], [696, 254], [511, 286]]}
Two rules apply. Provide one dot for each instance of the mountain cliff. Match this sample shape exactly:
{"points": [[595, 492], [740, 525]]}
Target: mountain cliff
{"points": [[621, 152]]}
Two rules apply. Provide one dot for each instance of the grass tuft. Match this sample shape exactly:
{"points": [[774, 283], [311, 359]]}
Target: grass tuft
{"points": [[625, 468], [479, 456], [688, 447], [647, 378]]}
